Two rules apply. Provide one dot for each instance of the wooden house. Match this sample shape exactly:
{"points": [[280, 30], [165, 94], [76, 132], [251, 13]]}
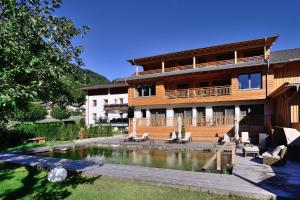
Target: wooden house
{"points": [[216, 88]]}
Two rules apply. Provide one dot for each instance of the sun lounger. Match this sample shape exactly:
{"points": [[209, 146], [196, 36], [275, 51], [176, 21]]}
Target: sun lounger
{"points": [[129, 137], [172, 138], [276, 156], [245, 138], [187, 137], [141, 139]]}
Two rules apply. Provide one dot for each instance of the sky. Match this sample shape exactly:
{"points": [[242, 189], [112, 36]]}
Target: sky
{"points": [[126, 29]]}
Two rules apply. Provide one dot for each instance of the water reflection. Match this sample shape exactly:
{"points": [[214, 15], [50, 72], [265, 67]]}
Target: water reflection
{"points": [[172, 159]]}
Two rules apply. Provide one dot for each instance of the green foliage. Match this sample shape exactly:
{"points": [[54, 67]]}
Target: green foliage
{"points": [[94, 131], [55, 132], [36, 53], [34, 112], [60, 113]]}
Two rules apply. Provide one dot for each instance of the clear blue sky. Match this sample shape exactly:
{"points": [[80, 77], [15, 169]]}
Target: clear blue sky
{"points": [[124, 29]]}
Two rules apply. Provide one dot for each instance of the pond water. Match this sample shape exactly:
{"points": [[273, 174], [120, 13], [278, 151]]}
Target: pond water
{"points": [[159, 158]]}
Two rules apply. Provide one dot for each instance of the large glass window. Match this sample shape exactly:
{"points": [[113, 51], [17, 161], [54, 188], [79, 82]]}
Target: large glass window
{"points": [[146, 90], [250, 81], [252, 114]]}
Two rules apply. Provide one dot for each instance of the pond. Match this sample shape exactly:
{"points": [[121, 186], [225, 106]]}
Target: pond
{"points": [[159, 158]]}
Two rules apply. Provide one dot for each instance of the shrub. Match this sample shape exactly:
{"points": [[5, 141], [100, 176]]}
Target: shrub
{"points": [[57, 131], [60, 113], [33, 113]]}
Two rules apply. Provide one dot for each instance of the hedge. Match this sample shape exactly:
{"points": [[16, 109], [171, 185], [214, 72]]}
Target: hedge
{"points": [[57, 131]]}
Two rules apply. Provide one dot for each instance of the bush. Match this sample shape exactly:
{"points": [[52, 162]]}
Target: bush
{"points": [[58, 131], [60, 113], [33, 113]]}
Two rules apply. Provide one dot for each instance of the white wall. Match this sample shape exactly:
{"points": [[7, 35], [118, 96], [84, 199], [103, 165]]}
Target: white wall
{"points": [[99, 108]]}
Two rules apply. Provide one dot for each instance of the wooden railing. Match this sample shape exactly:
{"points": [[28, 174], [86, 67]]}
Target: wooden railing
{"points": [[198, 92], [200, 65], [186, 121], [218, 156]]}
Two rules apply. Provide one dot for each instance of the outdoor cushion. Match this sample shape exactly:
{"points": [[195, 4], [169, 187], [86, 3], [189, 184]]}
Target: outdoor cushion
{"points": [[277, 150], [269, 154]]}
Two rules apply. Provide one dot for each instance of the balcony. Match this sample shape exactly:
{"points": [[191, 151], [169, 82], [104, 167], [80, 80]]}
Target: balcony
{"points": [[200, 121], [199, 92], [111, 107], [206, 64]]}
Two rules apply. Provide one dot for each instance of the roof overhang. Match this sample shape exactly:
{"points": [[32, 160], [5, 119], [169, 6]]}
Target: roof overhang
{"points": [[266, 41], [106, 86], [283, 88]]}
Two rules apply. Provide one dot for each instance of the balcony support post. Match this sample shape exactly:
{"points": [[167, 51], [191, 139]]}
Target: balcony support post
{"points": [[235, 57], [194, 62], [136, 70], [163, 66]]}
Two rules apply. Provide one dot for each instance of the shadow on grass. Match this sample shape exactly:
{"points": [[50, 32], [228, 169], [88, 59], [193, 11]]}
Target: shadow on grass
{"points": [[36, 186]]}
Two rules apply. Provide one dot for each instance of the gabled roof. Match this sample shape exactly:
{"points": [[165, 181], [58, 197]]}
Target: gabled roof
{"points": [[283, 56], [106, 86], [267, 41]]}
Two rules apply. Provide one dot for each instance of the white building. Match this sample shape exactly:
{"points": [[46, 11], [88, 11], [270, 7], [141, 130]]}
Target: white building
{"points": [[107, 104]]}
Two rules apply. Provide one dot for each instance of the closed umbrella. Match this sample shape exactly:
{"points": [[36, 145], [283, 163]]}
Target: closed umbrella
{"points": [[179, 124], [236, 129]]}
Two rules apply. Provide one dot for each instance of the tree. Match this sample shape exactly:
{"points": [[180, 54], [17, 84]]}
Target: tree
{"points": [[60, 113], [34, 112], [36, 53]]}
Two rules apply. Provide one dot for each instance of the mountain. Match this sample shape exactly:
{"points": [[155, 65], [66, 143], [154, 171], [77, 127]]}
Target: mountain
{"points": [[88, 78]]}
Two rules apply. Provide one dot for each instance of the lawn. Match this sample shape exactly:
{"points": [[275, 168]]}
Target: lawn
{"points": [[27, 145], [24, 182]]}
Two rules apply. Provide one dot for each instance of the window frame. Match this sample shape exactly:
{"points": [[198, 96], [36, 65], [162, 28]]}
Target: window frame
{"points": [[150, 90], [250, 81]]}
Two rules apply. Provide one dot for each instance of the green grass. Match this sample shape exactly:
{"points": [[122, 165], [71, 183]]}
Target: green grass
{"points": [[24, 182], [27, 145]]}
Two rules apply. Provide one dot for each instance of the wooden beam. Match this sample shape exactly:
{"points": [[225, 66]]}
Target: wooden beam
{"points": [[136, 70], [194, 62], [163, 66], [265, 52], [235, 57]]}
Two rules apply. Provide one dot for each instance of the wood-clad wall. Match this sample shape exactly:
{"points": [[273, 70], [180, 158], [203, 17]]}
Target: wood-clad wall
{"points": [[192, 79], [287, 73]]}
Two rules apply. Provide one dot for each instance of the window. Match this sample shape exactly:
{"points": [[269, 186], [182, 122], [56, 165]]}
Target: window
{"points": [[146, 90], [250, 81], [105, 101], [222, 82], [94, 103], [143, 113], [116, 101], [121, 101], [252, 115], [94, 116], [223, 115], [200, 60], [121, 115], [158, 117]]}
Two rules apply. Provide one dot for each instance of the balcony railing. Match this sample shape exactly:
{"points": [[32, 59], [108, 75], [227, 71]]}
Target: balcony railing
{"points": [[119, 106], [206, 64], [198, 92], [200, 121]]}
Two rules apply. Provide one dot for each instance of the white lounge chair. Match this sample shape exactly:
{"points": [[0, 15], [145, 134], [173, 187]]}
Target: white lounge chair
{"points": [[129, 137], [144, 137], [172, 138], [226, 138], [245, 138], [187, 137]]}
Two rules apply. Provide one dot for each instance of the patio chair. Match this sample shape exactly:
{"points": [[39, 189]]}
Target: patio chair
{"points": [[187, 137], [129, 137], [172, 138], [245, 138], [141, 139]]}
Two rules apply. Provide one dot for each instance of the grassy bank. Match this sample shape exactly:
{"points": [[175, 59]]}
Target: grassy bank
{"points": [[24, 182]]}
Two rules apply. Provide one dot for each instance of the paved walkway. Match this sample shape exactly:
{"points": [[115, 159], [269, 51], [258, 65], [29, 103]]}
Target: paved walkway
{"points": [[238, 184]]}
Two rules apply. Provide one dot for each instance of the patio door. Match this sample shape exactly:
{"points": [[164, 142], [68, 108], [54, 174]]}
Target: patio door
{"points": [[158, 117]]}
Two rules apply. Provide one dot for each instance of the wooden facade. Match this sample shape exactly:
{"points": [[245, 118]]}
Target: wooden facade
{"points": [[215, 86]]}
